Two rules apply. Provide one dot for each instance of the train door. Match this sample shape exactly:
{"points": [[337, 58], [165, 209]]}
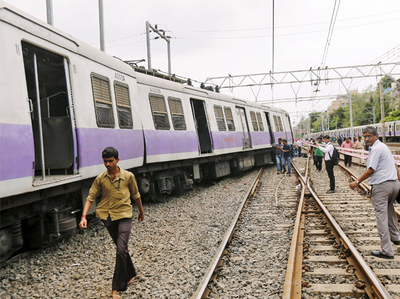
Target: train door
{"points": [[47, 80], [271, 134], [290, 136], [201, 122], [243, 127]]}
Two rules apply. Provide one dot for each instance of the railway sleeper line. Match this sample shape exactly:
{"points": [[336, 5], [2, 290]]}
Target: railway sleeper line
{"points": [[329, 253], [245, 266]]}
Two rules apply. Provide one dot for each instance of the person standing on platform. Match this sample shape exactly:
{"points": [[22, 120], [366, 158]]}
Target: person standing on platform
{"points": [[299, 145], [287, 157], [279, 156], [347, 158], [115, 210], [328, 150], [359, 145], [384, 177], [318, 155], [340, 140]]}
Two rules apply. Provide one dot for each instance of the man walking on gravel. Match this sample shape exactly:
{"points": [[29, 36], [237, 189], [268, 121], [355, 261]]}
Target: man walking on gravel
{"points": [[115, 210], [299, 145], [279, 156], [328, 150], [383, 175]]}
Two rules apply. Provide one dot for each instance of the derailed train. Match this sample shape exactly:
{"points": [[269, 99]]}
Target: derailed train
{"points": [[63, 102]]}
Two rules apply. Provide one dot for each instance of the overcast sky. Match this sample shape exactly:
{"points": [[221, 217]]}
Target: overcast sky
{"points": [[221, 37]]}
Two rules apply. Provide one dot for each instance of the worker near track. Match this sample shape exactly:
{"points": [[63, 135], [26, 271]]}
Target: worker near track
{"points": [[287, 156], [384, 177], [328, 150], [279, 155], [299, 145], [347, 144], [318, 155], [359, 145], [115, 210]]}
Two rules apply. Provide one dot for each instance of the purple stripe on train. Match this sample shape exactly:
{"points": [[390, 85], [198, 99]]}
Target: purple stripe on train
{"points": [[91, 143], [16, 151], [226, 139], [160, 142]]}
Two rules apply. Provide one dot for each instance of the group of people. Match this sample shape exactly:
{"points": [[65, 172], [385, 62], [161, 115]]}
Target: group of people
{"points": [[382, 174], [118, 187], [283, 154]]}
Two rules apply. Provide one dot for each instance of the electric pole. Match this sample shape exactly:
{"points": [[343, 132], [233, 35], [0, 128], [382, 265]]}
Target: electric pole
{"points": [[382, 111]]}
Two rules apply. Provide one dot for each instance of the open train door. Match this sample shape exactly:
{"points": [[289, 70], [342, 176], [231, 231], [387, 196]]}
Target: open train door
{"points": [[243, 127], [47, 79], [201, 122], [271, 133]]}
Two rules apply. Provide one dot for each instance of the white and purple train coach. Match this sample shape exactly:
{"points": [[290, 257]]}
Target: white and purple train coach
{"points": [[63, 102]]}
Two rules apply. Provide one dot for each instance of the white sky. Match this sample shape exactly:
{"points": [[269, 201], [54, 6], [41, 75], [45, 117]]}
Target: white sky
{"points": [[219, 37]]}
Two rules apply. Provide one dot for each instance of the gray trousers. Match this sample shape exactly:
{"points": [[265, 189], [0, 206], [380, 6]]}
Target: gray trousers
{"points": [[383, 197]]}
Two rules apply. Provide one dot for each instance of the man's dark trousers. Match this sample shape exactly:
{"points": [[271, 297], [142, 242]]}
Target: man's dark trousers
{"points": [[124, 271], [329, 169]]}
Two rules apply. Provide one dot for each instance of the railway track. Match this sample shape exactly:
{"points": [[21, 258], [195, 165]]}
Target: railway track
{"points": [[250, 262], [330, 251]]}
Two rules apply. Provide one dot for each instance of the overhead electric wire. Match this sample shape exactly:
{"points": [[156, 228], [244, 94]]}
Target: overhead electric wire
{"points": [[330, 32]]}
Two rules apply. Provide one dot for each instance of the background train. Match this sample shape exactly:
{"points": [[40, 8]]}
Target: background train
{"points": [[63, 102], [392, 131]]}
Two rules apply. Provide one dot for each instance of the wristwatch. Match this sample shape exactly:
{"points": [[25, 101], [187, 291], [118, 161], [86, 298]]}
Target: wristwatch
{"points": [[358, 182]]}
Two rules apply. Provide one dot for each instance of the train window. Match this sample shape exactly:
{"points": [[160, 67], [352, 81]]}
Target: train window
{"points": [[159, 111], [259, 120], [123, 105], [219, 115], [280, 123], [102, 101], [229, 119], [254, 120], [178, 119]]}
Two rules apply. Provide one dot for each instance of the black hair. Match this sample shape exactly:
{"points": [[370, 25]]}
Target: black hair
{"points": [[327, 137], [284, 140], [109, 152]]}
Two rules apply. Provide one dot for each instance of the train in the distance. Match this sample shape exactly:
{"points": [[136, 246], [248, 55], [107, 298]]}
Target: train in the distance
{"points": [[63, 102], [392, 131]]}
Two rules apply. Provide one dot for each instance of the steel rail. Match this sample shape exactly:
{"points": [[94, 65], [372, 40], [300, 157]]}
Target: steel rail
{"points": [[364, 186], [377, 288], [292, 287], [202, 288]]}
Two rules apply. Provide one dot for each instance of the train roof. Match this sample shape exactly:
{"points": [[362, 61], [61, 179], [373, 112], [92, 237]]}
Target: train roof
{"points": [[25, 22]]}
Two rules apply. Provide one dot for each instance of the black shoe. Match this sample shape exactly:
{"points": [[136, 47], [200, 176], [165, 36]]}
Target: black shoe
{"points": [[278, 172], [378, 253], [289, 175], [396, 242], [330, 191]]}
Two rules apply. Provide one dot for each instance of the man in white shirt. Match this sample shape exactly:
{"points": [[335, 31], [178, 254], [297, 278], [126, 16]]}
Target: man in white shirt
{"points": [[328, 150], [384, 177], [299, 145]]}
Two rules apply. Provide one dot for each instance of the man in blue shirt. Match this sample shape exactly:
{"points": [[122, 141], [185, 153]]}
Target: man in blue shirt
{"points": [[384, 177], [279, 155], [287, 156]]}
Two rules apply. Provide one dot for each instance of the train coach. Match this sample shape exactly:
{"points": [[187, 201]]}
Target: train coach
{"points": [[63, 102], [392, 131]]}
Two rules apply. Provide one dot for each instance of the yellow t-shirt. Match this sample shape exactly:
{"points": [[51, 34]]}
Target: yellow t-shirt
{"points": [[116, 195]]}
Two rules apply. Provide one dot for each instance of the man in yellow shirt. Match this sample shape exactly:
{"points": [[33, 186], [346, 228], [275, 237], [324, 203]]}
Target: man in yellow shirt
{"points": [[115, 210]]}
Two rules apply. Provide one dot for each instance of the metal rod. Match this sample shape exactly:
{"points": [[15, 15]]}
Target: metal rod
{"points": [[169, 57], [351, 116], [148, 45], [49, 9], [39, 117], [101, 25], [382, 111]]}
